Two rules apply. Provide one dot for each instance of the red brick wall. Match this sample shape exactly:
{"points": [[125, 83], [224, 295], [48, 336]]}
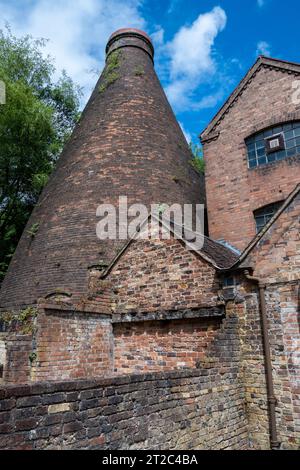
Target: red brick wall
{"points": [[16, 350], [159, 278], [234, 191], [161, 275], [277, 256], [72, 345], [164, 345], [276, 261]]}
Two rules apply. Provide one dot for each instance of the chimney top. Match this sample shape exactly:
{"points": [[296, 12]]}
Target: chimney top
{"points": [[131, 37]]}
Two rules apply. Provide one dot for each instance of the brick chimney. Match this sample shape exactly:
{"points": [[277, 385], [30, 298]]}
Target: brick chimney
{"points": [[127, 143]]}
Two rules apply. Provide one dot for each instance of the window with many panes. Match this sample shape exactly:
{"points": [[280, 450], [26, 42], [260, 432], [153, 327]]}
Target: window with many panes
{"points": [[274, 144], [263, 215]]}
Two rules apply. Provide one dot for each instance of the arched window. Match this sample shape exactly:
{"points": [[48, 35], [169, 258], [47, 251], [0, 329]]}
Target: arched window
{"points": [[273, 144], [264, 214]]}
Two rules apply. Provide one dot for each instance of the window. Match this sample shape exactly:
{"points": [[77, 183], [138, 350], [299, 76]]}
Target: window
{"points": [[263, 215], [228, 281], [274, 144]]}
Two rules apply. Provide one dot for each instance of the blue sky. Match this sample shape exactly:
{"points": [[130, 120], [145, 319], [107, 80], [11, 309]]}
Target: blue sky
{"points": [[203, 47]]}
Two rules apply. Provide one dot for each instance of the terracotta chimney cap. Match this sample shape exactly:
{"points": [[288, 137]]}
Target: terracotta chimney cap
{"points": [[129, 31], [130, 34]]}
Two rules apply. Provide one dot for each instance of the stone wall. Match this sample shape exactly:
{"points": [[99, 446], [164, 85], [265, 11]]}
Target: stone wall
{"points": [[233, 190], [194, 409]]}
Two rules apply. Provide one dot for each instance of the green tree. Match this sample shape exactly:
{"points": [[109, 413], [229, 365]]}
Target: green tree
{"points": [[198, 161], [35, 123]]}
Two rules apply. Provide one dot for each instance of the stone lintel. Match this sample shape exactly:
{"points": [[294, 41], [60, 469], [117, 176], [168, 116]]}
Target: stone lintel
{"points": [[185, 314]]}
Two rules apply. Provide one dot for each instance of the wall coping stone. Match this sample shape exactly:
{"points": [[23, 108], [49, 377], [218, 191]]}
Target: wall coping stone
{"points": [[217, 311], [73, 309], [47, 387]]}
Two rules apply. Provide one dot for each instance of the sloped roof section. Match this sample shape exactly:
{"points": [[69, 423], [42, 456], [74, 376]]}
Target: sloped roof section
{"points": [[215, 253], [267, 227], [262, 61], [222, 256], [240, 259]]}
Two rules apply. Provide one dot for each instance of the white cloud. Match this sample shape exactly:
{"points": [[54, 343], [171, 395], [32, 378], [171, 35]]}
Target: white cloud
{"points": [[77, 30], [191, 47], [172, 6], [187, 135], [209, 101], [191, 55], [158, 36], [263, 48]]}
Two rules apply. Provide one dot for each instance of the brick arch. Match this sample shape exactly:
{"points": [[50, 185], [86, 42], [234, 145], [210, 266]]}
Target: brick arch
{"points": [[265, 206], [282, 118]]}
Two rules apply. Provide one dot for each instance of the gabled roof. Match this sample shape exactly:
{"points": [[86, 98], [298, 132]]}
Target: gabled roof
{"points": [[262, 61], [266, 228], [215, 253], [219, 256]]}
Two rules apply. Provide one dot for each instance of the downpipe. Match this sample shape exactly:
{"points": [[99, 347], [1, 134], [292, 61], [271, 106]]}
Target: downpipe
{"points": [[274, 443]]}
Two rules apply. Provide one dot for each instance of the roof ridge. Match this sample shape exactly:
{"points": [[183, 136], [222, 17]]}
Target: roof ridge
{"points": [[200, 252], [276, 59], [260, 61]]}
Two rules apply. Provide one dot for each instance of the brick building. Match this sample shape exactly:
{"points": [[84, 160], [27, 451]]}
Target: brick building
{"points": [[246, 179], [181, 348]]}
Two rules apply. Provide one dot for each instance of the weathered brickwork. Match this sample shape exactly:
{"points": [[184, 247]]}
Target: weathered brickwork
{"points": [[161, 275], [159, 310], [15, 354], [183, 328], [285, 367], [199, 409], [127, 143], [277, 256], [163, 345], [233, 190], [72, 345], [170, 308], [277, 263], [252, 367]]}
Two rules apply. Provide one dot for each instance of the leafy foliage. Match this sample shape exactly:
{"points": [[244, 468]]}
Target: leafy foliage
{"points": [[22, 321], [111, 74], [198, 161], [139, 71], [35, 123], [33, 229]]}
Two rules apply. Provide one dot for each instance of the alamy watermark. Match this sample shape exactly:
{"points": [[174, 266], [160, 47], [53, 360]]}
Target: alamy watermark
{"points": [[295, 353], [296, 93], [161, 221], [2, 92]]}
